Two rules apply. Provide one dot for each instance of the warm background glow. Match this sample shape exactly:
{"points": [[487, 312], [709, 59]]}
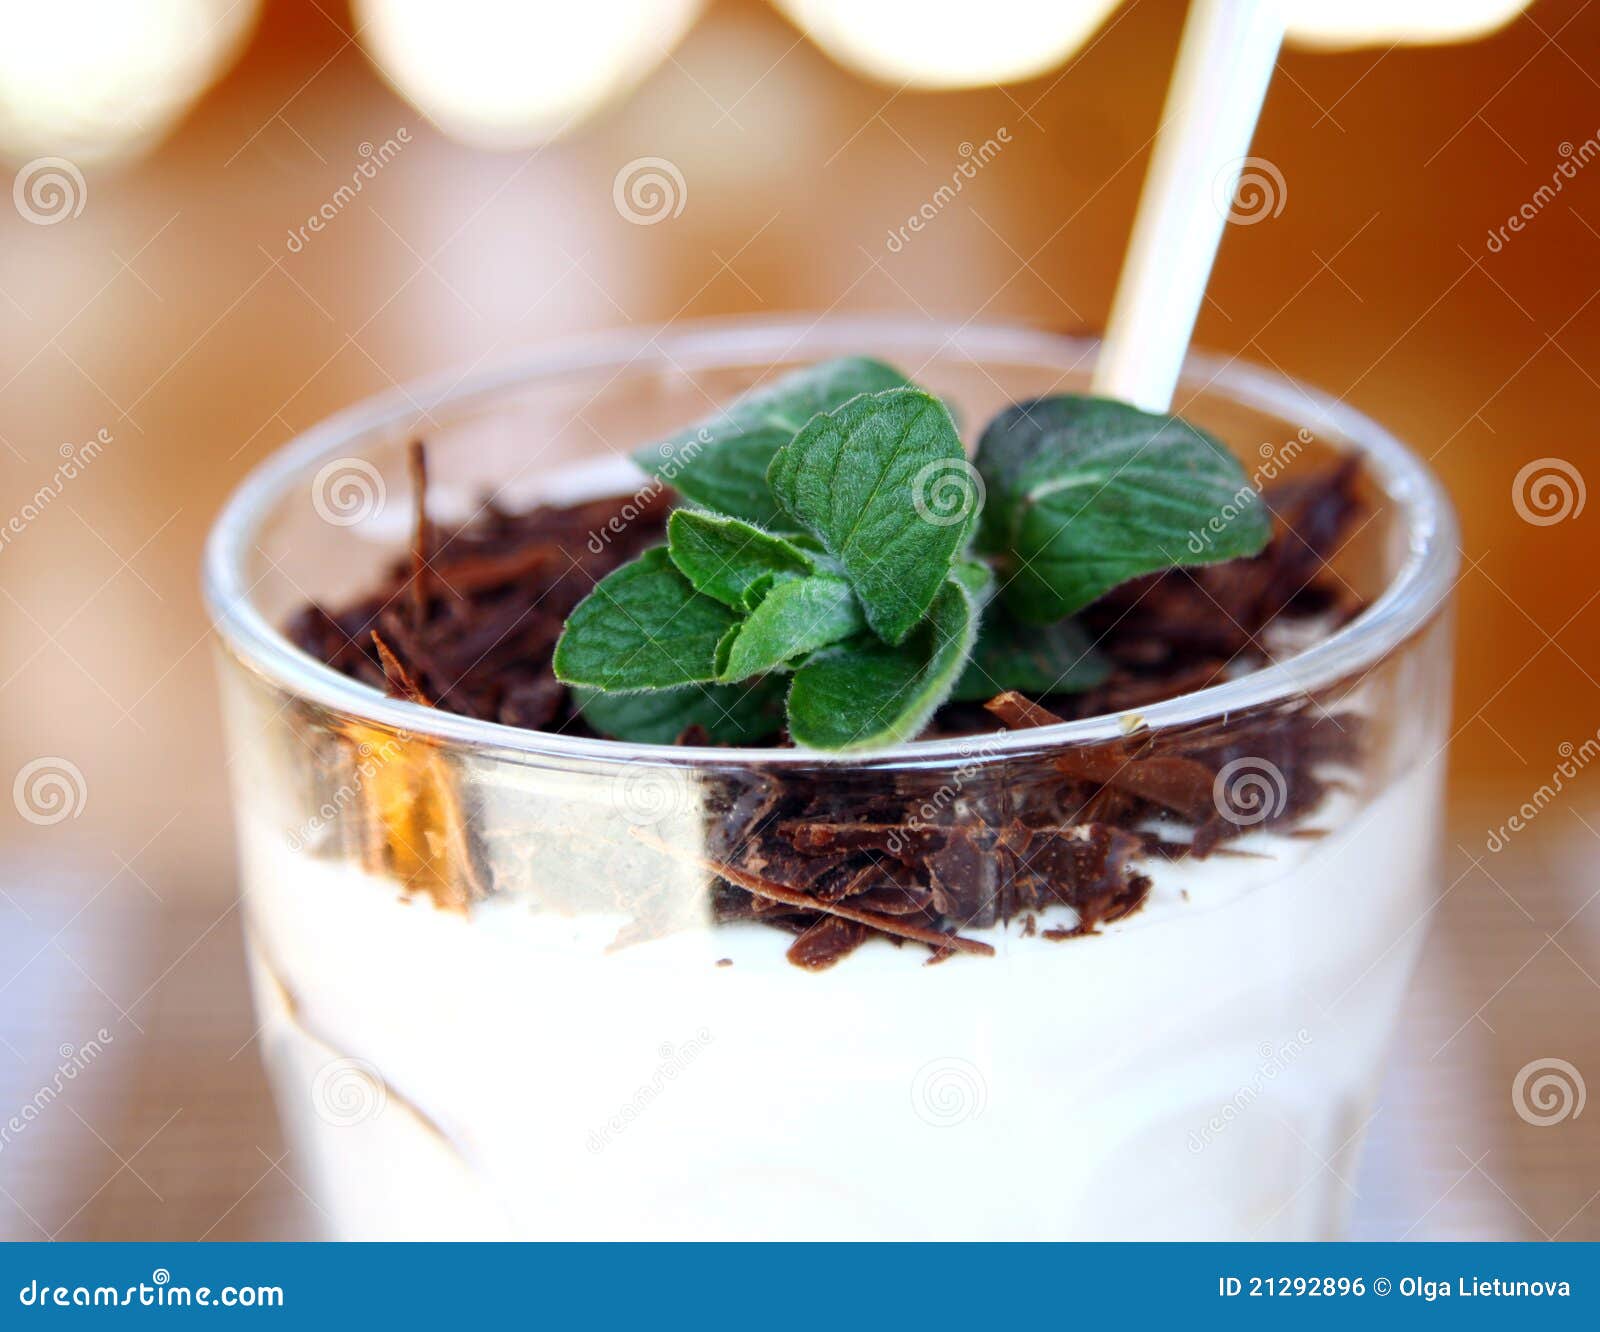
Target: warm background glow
{"points": [[176, 311]]}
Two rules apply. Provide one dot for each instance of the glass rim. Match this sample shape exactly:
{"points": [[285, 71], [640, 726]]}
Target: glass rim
{"points": [[1411, 598]]}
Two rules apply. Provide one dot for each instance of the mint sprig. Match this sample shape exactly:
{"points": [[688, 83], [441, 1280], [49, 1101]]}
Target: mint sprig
{"points": [[857, 479], [796, 618], [1086, 493], [875, 693], [831, 559], [730, 559], [721, 462], [1034, 659], [742, 714], [643, 627]]}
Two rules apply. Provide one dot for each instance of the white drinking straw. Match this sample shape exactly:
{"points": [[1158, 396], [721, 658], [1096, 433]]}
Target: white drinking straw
{"points": [[1224, 64]]}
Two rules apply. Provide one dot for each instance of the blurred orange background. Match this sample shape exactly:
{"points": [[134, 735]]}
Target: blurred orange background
{"points": [[175, 314]]}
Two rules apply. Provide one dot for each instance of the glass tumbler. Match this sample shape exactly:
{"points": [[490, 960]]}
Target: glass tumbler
{"points": [[511, 984]]}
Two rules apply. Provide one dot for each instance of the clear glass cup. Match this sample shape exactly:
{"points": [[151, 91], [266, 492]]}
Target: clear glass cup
{"points": [[501, 995]]}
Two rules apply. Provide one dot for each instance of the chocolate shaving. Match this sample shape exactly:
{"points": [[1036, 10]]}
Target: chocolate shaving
{"points": [[1019, 713], [468, 619], [425, 838], [829, 941], [1172, 781], [777, 892], [421, 531], [401, 685]]}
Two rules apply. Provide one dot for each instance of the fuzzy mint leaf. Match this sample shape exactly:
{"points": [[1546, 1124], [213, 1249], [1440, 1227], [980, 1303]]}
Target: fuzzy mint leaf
{"points": [[978, 579], [871, 481], [1086, 493], [730, 559], [721, 462], [796, 617], [1035, 659], [643, 627], [730, 714], [866, 692]]}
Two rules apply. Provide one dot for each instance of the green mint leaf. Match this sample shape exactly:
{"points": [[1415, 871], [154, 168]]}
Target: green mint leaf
{"points": [[796, 617], [868, 693], [729, 559], [643, 627], [1086, 493], [1035, 659], [731, 714], [978, 579], [721, 462], [884, 484]]}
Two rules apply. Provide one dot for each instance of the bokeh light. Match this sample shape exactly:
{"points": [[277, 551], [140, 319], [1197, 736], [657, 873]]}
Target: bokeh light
{"points": [[92, 80], [503, 74], [1335, 24], [949, 43]]}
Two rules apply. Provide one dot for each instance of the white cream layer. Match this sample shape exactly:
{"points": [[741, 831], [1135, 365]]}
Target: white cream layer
{"points": [[1186, 1073]]}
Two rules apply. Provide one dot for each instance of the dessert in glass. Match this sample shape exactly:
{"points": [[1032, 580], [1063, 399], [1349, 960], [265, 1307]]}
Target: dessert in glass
{"points": [[1117, 964]]}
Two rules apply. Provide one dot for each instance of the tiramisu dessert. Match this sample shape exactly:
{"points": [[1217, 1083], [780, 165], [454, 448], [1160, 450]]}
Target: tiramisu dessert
{"points": [[829, 826]]}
